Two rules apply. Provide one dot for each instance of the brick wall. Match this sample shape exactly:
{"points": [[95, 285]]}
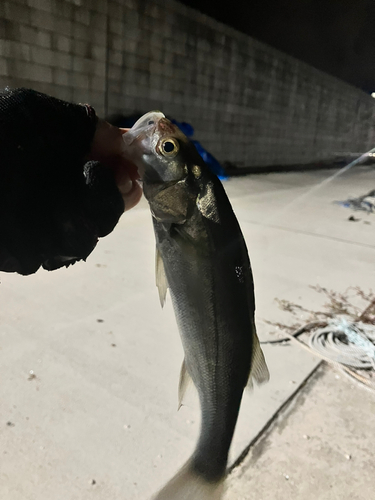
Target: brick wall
{"points": [[249, 103]]}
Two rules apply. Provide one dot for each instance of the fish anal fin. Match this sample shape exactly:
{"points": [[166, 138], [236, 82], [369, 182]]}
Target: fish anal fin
{"points": [[259, 370], [161, 279], [183, 384]]}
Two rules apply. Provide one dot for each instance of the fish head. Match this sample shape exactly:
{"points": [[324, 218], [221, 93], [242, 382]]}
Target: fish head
{"points": [[162, 154], [154, 145]]}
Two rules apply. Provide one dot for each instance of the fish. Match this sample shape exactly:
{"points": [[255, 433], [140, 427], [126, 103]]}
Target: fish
{"points": [[202, 258]]}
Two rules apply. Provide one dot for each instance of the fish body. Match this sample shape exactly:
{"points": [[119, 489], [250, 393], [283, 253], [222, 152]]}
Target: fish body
{"points": [[202, 258]]}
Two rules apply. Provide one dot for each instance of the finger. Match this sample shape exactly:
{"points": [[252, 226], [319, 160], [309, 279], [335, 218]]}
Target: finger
{"points": [[130, 190], [133, 197], [107, 142]]}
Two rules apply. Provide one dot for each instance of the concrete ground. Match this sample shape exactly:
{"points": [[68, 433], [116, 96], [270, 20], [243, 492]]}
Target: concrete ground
{"points": [[321, 446], [96, 418]]}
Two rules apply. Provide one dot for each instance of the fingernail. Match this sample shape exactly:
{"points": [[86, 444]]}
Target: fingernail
{"points": [[127, 186]]}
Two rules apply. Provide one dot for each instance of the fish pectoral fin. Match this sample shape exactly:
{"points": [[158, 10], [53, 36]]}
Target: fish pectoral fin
{"points": [[161, 279], [259, 370], [207, 204], [184, 382]]}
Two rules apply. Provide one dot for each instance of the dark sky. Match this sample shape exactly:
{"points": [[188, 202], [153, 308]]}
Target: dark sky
{"points": [[336, 36]]}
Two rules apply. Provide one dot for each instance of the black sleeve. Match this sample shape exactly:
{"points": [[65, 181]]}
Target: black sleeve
{"points": [[53, 205]]}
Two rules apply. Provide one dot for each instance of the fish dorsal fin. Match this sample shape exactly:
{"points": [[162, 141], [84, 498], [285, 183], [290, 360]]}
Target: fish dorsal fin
{"points": [[161, 279], [259, 370], [184, 382]]}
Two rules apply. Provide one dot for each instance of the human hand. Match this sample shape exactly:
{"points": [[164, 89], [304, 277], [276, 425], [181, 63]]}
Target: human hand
{"points": [[107, 148], [64, 182]]}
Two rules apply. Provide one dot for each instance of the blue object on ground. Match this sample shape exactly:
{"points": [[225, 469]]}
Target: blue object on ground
{"points": [[211, 161]]}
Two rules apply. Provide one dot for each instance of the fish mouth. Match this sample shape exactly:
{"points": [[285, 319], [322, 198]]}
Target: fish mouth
{"points": [[144, 126], [138, 140]]}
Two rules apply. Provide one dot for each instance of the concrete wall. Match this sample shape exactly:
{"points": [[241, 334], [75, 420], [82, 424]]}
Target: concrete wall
{"points": [[55, 46], [249, 103]]}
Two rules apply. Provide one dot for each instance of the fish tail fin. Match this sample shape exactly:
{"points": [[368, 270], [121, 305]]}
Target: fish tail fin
{"points": [[188, 485]]}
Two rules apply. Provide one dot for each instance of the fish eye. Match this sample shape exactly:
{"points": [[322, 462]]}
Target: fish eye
{"points": [[150, 122], [169, 147]]}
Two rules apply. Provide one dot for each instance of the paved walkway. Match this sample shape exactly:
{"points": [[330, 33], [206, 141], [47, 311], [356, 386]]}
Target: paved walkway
{"points": [[321, 447], [99, 420]]}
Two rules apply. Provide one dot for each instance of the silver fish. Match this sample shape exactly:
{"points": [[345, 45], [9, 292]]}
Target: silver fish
{"points": [[201, 256]]}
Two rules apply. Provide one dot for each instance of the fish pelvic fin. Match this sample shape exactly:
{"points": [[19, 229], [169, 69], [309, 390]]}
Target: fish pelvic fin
{"points": [[161, 279], [187, 485], [259, 370], [183, 384]]}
